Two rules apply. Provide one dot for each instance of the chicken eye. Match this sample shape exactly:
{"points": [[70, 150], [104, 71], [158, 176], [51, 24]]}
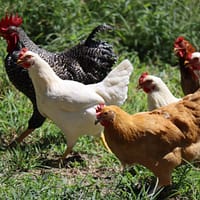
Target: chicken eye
{"points": [[149, 81], [27, 57], [11, 29], [195, 59]]}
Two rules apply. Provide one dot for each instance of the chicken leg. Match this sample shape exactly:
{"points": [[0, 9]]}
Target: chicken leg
{"points": [[20, 138], [102, 136], [165, 166], [71, 145], [35, 122], [67, 152]]}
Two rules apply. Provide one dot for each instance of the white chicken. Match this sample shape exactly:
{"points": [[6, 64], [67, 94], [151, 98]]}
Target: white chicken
{"points": [[158, 94], [193, 63], [70, 104]]}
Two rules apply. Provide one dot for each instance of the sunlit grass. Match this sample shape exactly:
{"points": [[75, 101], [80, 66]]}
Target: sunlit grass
{"points": [[144, 33]]}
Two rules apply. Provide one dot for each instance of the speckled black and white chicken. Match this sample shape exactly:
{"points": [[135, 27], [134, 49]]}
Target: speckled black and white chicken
{"points": [[87, 62]]}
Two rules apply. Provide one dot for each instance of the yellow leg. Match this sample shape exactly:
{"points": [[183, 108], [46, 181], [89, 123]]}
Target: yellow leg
{"points": [[105, 143], [67, 152]]}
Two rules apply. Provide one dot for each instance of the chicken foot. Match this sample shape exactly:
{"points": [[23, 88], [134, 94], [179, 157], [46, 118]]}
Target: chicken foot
{"points": [[154, 190]]}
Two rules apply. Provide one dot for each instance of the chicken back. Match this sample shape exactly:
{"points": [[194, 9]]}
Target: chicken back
{"points": [[159, 140]]}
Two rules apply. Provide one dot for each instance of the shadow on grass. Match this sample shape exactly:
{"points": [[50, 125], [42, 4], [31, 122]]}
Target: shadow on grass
{"points": [[42, 143], [46, 161], [61, 163], [144, 188]]}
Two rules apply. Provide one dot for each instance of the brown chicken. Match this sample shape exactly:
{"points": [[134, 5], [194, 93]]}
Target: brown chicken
{"points": [[182, 49], [160, 140]]}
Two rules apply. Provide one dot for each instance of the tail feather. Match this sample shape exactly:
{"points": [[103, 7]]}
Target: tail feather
{"points": [[102, 27], [114, 87]]}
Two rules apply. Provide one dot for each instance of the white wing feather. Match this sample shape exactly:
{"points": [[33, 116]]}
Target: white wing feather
{"points": [[113, 89], [73, 96]]}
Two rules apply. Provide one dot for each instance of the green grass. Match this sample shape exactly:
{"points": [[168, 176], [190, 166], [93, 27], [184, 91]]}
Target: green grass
{"points": [[144, 33]]}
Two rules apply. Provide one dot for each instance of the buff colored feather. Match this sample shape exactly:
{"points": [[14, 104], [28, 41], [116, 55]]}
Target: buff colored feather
{"points": [[159, 140]]}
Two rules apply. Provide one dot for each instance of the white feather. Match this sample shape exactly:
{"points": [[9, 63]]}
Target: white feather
{"points": [[70, 104], [160, 95], [196, 69]]}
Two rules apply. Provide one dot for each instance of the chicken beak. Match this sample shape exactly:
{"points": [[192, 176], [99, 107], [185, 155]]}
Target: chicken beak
{"points": [[186, 62], [175, 50], [19, 61], [96, 121]]}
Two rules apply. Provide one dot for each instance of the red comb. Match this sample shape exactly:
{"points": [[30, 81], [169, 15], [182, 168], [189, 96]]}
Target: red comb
{"points": [[99, 108], [179, 39], [22, 52], [183, 47], [12, 20], [143, 75]]}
